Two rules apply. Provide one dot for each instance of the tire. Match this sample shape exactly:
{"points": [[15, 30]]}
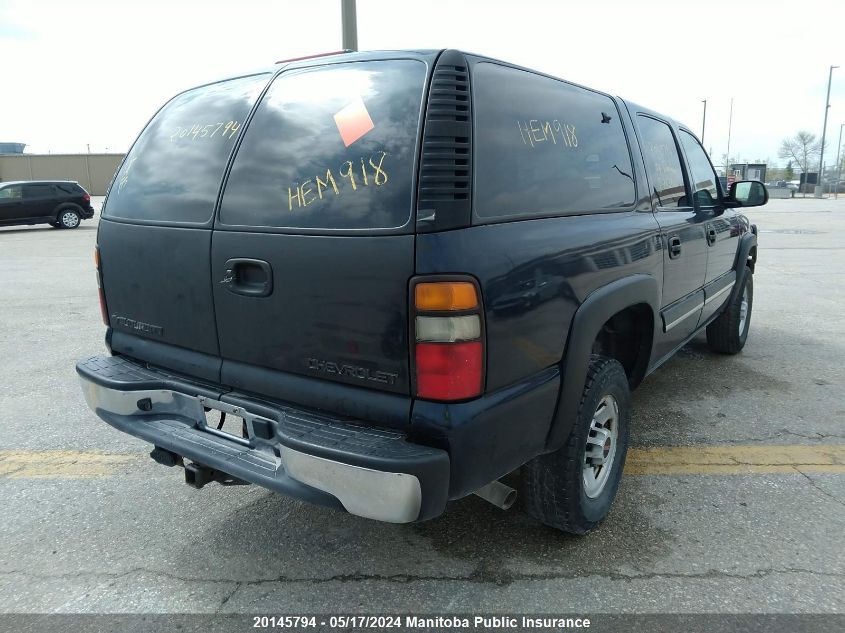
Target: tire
{"points": [[728, 333], [559, 488], [69, 218]]}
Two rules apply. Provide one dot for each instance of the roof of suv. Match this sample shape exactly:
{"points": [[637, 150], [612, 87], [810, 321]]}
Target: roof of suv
{"points": [[39, 182], [322, 59], [431, 53]]}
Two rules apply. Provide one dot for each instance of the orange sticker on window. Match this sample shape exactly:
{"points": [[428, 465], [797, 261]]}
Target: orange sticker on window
{"points": [[353, 122]]}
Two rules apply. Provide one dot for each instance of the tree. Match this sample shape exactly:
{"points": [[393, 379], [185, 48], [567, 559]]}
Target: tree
{"points": [[727, 161], [802, 148], [789, 172]]}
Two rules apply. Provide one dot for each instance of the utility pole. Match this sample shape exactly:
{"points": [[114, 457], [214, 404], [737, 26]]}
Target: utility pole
{"points": [[728, 155], [349, 24], [818, 189], [703, 120], [838, 164]]}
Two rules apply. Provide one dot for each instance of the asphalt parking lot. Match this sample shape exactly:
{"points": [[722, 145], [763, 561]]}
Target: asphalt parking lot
{"points": [[734, 500]]}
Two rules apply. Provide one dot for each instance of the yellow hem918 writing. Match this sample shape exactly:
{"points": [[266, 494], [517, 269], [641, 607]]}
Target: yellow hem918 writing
{"points": [[363, 173], [536, 131]]}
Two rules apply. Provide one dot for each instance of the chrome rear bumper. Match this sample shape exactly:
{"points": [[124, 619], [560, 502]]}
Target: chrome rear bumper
{"points": [[367, 471]]}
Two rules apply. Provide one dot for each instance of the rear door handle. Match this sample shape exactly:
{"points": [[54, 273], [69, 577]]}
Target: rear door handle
{"points": [[248, 277], [711, 235], [674, 246]]}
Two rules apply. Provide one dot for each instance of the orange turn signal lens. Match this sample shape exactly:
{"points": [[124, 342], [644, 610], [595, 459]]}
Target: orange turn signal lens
{"points": [[97, 257], [445, 295]]}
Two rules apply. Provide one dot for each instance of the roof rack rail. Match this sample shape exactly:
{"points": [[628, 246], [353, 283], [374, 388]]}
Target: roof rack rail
{"points": [[296, 59]]}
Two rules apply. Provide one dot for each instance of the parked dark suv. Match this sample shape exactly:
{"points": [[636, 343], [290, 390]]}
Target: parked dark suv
{"points": [[382, 281], [62, 204]]}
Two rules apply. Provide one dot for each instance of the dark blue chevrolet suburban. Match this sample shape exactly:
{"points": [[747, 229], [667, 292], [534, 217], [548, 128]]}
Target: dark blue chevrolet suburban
{"points": [[383, 281]]}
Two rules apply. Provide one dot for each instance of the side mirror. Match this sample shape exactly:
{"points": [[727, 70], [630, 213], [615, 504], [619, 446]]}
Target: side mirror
{"points": [[748, 193]]}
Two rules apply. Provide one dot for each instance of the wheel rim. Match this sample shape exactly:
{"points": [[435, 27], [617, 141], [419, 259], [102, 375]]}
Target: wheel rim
{"points": [[601, 446], [743, 311], [70, 219]]}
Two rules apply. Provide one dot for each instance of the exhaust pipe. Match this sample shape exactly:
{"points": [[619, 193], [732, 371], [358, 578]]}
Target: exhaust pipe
{"points": [[498, 494]]}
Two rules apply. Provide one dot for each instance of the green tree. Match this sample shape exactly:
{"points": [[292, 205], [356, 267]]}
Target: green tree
{"points": [[789, 172], [773, 172]]}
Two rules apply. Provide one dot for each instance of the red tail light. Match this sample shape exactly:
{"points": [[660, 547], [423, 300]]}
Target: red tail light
{"points": [[449, 371], [449, 347], [104, 312], [87, 198]]}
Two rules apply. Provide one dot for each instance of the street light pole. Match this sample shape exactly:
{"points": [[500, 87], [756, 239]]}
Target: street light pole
{"points": [[728, 155], [838, 164], [349, 25], [818, 190], [703, 120]]}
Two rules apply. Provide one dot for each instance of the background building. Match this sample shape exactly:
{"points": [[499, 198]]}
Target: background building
{"points": [[93, 171], [12, 148]]}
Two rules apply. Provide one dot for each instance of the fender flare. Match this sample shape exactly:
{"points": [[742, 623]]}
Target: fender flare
{"points": [[589, 318], [742, 264]]}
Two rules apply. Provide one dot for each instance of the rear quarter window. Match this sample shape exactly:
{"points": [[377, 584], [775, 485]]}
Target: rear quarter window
{"points": [[69, 189], [173, 172], [545, 147], [331, 147]]}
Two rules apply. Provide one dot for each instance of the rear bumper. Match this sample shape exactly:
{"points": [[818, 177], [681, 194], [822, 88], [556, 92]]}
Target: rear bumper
{"points": [[370, 472], [87, 214]]}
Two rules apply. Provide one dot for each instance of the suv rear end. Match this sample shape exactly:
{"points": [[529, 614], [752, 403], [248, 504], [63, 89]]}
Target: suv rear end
{"points": [[73, 205], [255, 262], [300, 292]]}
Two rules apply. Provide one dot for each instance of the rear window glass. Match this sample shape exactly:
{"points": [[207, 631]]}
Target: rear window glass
{"points": [[67, 187], [330, 148], [173, 171], [545, 147]]}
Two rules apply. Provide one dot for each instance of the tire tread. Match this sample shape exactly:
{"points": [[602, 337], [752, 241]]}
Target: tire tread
{"points": [[551, 482], [723, 333]]}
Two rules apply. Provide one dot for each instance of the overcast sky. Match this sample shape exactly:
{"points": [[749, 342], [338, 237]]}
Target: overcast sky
{"points": [[78, 72]]}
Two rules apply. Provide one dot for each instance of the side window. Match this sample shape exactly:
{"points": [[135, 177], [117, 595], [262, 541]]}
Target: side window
{"points": [[173, 171], [545, 147], [706, 192], [663, 162], [67, 188], [11, 193], [38, 191]]}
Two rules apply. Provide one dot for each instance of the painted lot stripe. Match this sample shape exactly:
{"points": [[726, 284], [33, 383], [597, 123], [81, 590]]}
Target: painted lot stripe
{"points": [[668, 460], [61, 464], [736, 460]]}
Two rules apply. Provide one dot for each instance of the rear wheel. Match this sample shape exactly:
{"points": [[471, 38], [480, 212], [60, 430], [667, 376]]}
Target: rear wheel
{"points": [[728, 333], [572, 489], [69, 219]]}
